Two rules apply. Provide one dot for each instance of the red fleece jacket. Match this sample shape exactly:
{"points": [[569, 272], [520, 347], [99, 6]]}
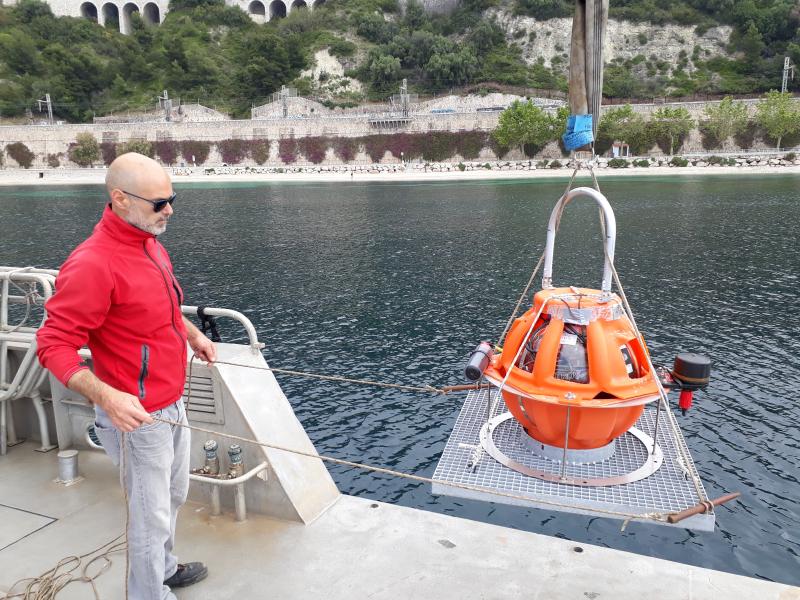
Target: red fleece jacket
{"points": [[117, 294]]}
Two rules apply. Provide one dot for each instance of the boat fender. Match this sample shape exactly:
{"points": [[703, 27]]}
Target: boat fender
{"points": [[692, 372], [478, 361]]}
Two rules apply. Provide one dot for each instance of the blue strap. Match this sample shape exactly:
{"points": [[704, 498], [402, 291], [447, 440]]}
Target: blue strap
{"points": [[579, 131]]}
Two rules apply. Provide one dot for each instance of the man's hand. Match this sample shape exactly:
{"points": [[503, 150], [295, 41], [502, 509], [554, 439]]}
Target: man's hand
{"points": [[202, 347], [125, 410]]}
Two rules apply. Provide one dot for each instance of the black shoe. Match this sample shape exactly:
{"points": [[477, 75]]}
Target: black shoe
{"points": [[187, 575]]}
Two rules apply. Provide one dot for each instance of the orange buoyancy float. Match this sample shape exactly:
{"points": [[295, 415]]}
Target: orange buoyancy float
{"points": [[581, 353], [573, 370]]}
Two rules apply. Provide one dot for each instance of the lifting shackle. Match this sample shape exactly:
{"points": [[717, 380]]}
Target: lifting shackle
{"points": [[610, 241]]}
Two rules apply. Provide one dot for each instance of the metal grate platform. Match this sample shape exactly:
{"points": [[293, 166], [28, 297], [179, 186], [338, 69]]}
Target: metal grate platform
{"points": [[666, 490]]}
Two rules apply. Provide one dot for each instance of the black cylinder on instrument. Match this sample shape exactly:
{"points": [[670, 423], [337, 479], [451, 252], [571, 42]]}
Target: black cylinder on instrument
{"points": [[478, 361], [692, 371]]}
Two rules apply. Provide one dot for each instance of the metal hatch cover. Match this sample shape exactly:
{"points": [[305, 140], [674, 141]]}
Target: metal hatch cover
{"points": [[666, 490]]}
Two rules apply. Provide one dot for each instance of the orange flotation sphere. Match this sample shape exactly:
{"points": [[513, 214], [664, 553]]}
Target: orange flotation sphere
{"points": [[574, 351]]}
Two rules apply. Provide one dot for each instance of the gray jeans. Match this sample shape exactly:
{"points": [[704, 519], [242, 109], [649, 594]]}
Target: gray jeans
{"points": [[156, 478]]}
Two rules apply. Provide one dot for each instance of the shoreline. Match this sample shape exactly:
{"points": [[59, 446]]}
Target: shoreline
{"points": [[20, 177]]}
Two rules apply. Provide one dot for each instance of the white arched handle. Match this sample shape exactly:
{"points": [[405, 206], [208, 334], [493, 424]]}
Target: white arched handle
{"points": [[610, 241]]}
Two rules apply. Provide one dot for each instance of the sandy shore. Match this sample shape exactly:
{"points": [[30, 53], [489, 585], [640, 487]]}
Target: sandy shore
{"points": [[20, 177]]}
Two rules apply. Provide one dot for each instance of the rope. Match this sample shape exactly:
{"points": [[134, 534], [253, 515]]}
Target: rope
{"points": [[682, 452], [656, 516], [341, 379], [53, 581]]}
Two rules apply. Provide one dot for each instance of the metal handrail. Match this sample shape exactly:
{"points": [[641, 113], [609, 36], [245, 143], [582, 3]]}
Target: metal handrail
{"points": [[610, 234], [25, 378], [231, 314]]}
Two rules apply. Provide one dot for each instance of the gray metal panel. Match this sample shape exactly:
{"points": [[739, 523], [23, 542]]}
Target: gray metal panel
{"points": [[667, 490], [204, 404]]}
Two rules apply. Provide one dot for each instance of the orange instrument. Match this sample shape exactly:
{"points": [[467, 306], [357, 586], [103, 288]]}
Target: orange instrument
{"points": [[572, 370]]}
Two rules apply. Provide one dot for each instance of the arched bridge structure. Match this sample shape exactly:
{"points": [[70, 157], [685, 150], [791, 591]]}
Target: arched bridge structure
{"points": [[118, 14]]}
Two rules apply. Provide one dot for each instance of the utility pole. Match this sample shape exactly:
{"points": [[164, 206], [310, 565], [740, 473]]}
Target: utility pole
{"points": [[167, 104], [788, 68], [46, 101], [405, 101]]}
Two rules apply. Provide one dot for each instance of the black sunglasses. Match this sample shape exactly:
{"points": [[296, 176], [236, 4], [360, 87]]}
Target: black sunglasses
{"points": [[158, 205]]}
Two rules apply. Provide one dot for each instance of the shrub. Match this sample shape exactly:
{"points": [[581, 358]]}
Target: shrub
{"points": [[791, 157], [54, 160], [499, 149], [342, 48], [678, 161], [708, 138], [469, 144], [487, 166], [167, 151], [314, 148], [746, 137], [542, 164], [345, 148], [618, 163], [375, 146], [259, 151], [439, 147], [287, 150], [21, 154], [406, 146], [722, 161], [137, 145], [232, 151], [462, 166], [641, 162], [108, 152], [556, 164], [85, 151], [194, 151]]}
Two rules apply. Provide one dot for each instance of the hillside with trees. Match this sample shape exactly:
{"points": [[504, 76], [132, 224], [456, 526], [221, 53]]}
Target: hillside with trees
{"points": [[205, 51]]}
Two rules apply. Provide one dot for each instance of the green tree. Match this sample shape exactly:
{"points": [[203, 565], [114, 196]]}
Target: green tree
{"points": [[383, 70], [726, 119], [623, 124], [522, 124], [260, 65], [673, 124], [779, 115], [139, 146], [453, 68], [85, 150]]}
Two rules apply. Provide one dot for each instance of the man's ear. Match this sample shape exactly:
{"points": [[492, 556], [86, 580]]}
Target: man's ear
{"points": [[120, 200]]}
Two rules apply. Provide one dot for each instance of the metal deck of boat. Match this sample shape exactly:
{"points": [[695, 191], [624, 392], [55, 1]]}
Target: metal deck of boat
{"points": [[666, 490]]}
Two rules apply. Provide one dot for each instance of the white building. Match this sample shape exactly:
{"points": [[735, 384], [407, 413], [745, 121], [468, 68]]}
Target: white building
{"points": [[117, 13]]}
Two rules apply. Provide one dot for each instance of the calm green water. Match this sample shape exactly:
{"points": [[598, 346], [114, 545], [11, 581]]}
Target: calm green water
{"points": [[398, 281]]}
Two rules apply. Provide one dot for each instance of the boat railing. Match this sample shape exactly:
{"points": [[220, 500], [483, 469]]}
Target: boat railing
{"points": [[31, 287]]}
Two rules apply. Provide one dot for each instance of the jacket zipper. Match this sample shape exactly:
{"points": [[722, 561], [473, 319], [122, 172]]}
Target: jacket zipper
{"points": [[144, 369], [166, 285]]}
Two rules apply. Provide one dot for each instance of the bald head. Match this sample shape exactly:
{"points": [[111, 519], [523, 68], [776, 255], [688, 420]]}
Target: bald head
{"points": [[136, 173], [133, 179]]}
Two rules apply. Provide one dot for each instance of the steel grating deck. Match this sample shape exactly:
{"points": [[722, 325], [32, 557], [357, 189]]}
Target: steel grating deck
{"points": [[666, 490]]}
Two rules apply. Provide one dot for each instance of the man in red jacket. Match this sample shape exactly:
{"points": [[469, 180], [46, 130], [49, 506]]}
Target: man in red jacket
{"points": [[117, 294]]}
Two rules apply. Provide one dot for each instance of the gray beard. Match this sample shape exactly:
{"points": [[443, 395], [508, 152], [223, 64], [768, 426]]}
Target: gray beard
{"points": [[138, 220]]}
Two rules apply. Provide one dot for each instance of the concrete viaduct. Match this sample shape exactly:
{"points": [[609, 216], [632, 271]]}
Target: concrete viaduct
{"points": [[117, 13]]}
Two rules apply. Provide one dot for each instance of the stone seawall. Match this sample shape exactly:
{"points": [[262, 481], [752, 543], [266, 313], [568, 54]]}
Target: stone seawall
{"points": [[44, 140]]}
